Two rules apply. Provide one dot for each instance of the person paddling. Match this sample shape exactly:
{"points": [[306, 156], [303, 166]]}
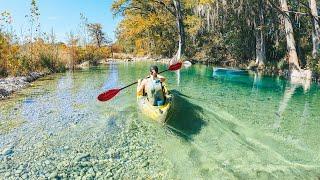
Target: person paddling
{"points": [[152, 87]]}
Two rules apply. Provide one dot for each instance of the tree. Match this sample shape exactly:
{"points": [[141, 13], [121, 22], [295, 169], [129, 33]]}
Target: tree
{"points": [[98, 37], [83, 29], [316, 28], [260, 39], [73, 41], [222, 32], [291, 45], [179, 19], [148, 8], [34, 24], [5, 20]]}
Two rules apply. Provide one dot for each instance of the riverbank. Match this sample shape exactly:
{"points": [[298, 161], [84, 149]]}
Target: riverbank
{"points": [[297, 75], [269, 70], [10, 85]]}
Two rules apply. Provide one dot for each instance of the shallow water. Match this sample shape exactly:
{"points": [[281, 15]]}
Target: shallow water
{"points": [[227, 124]]}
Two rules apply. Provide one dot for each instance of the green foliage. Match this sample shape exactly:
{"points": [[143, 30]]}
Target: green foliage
{"points": [[216, 32], [151, 31], [314, 64], [47, 62], [3, 57]]}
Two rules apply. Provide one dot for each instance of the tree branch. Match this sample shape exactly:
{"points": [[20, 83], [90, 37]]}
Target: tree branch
{"points": [[166, 7]]}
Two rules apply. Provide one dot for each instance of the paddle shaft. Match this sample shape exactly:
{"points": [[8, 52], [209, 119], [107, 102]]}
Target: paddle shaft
{"points": [[137, 81]]}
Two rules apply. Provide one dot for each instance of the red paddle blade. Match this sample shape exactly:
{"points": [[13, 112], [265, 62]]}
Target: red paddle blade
{"points": [[108, 94], [175, 67]]}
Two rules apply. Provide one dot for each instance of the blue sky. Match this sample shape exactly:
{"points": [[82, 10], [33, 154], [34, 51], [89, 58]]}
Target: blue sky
{"points": [[62, 15]]}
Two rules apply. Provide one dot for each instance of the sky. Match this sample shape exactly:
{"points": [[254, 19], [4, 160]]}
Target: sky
{"points": [[63, 16]]}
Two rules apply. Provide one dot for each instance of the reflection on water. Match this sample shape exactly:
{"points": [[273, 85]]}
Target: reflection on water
{"points": [[112, 77], [289, 91], [225, 124]]}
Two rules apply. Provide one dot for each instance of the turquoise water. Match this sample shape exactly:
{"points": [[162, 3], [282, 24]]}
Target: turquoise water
{"points": [[227, 124]]}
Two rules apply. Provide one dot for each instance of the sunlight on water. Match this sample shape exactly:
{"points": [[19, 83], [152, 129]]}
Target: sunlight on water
{"points": [[226, 124]]}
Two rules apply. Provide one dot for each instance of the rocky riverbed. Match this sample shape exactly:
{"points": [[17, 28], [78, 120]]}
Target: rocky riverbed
{"points": [[93, 156], [12, 84], [56, 129]]}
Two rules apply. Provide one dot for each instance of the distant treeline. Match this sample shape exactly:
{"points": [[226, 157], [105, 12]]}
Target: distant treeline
{"points": [[20, 59], [274, 34], [33, 50]]}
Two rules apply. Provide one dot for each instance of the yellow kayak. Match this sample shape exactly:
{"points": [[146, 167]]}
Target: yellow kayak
{"points": [[157, 113]]}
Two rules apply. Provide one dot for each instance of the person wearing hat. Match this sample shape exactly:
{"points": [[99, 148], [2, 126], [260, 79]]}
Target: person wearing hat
{"points": [[152, 87]]}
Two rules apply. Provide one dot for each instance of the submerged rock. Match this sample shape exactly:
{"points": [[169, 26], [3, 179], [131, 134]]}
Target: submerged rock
{"points": [[53, 175], [7, 151], [82, 157]]}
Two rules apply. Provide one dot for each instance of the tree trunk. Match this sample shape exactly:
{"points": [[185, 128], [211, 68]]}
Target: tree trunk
{"points": [[260, 41], [181, 31], [316, 29], [291, 45]]}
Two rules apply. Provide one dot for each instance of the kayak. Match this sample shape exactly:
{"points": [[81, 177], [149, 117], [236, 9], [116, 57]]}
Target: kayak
{"points": [[156, 113]]}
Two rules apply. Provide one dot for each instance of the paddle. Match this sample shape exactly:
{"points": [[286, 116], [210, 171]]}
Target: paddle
{"points": [[105, 96]]}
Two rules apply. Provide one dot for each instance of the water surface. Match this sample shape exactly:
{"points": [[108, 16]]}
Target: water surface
{"points": [[227, 124]]}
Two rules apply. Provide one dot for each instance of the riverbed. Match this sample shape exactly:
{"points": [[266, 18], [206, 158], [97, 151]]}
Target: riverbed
{"points": [[226, 124]]}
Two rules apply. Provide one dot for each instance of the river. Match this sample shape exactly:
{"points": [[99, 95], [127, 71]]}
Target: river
{"points": [[226, 124]]}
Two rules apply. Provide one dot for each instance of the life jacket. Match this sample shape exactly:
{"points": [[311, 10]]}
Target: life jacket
{"points": [[155, 92]]}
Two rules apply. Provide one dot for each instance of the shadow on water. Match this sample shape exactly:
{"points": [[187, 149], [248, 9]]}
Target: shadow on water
{"points": [[186, 118]]}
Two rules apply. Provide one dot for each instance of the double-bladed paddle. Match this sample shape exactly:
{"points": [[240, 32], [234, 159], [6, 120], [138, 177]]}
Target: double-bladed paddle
{"points": [[107, 95]]}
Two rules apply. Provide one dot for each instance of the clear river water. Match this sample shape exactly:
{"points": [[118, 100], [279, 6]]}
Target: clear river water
{"points": [[226, 124]]}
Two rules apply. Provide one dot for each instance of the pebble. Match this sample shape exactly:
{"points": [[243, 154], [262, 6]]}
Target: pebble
{"points": [[139, 153], [65, 163], [18, 171], [47, 162], [99, 174], [91, 171], [111, 152], [24, 176], [20, 167], [89, 176], [85, 164], [145, 164], [64, 175], [8, 151], [81, 157], [7, 174], [109, 174], [53, 175]]}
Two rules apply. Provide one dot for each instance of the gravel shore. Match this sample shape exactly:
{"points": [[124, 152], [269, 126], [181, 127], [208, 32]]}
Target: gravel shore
{"points": [[12, 84]]}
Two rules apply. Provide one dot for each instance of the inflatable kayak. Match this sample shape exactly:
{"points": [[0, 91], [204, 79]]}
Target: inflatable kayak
{"points": [[157, 113]]}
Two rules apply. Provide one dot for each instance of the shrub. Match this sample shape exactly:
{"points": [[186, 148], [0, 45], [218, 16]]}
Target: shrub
{"points": [[50, 63]]}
